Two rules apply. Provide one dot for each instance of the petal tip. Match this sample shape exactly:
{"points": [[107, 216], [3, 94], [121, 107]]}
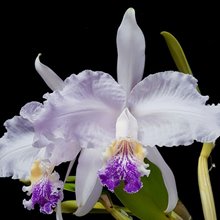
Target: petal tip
{"points": [[37, 60], [130, 12]]}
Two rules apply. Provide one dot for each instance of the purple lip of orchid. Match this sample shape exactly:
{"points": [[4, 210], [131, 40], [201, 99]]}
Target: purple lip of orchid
{"points": [[46, 189], [125, 164], [46, 196]]}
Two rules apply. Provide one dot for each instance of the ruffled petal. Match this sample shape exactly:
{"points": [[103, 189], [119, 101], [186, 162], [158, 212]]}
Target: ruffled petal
{"points": [[86, 109], [53, 81], [170, 111], [131, 52], [31, 111], [62, 151], [155, 157], [16, 151], [88, 186], [58, 149]]}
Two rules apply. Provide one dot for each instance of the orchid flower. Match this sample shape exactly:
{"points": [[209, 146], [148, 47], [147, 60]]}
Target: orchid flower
{"points": [[112, 125]]}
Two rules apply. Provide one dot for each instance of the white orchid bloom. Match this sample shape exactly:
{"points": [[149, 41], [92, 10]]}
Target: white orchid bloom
{"points": [[114, 125]]}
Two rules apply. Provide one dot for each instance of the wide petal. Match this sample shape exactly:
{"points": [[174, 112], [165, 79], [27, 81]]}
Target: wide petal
{"points": [[62, 151], [131, 51], [88, 186], [16, 151], [53, 81], [155, 157], [86, 109], [58, 149], [170, 111]]}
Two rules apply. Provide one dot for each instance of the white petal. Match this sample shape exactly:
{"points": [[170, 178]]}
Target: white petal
{"points": [[170, 111], [59, 212], [31, 111], [58, 149], [93, 198], [53, 81], [155, 157], [16, 151], [126, 125], [69, 169], [131, 52], [62, 151], [86, 109], [88, 186]]}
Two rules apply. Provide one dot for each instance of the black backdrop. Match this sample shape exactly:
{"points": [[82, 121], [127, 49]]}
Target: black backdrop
{"points": [[81, 35]]}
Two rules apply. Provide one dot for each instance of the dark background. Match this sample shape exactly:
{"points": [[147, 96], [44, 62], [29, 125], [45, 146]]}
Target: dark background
{"points": [[82, 35]]}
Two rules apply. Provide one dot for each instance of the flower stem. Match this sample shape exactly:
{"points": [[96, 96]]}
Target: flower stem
{"points": [[118, 214], [205, 188]]}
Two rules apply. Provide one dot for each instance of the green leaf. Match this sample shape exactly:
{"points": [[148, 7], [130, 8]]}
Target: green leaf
{"points": [[69, 187], [151, 201], [176, 52]]}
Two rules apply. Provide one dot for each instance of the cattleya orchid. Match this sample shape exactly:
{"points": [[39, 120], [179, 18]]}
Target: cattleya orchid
{"points": [[113, 126]]}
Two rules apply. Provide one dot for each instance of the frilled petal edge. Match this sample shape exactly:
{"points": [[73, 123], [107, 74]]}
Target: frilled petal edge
{"points": [[57, 148], [16, 151], [170, 111], [86, 109]]}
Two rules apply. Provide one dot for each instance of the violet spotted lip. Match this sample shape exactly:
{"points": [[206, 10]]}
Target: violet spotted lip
{"points": [[45, 195], [124, 159], [45, 189], [124, 165]]}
